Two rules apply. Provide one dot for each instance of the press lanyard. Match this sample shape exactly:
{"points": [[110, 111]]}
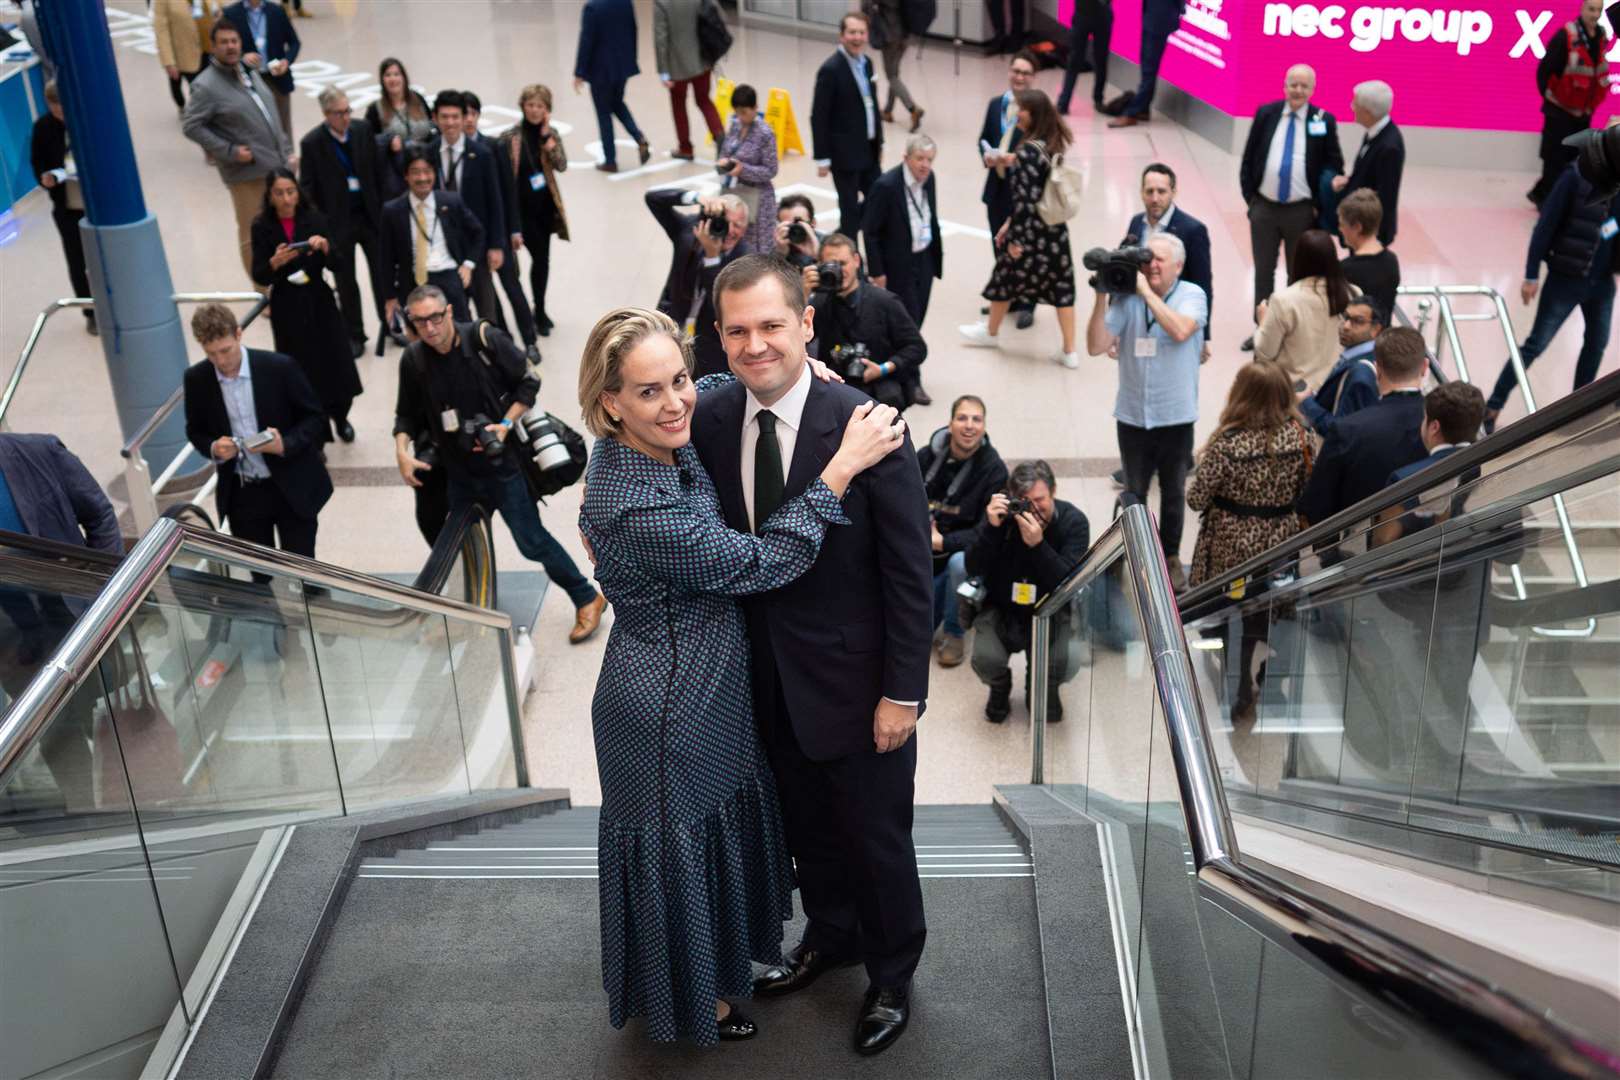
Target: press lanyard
{"points": [[927, 233], [348, 166], [1147, 312]]}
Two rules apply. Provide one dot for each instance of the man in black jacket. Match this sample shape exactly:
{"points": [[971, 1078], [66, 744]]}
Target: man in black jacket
{"points": [[269, 490], [699, 255], [337, 165], [845, 128], [998, 146], [270, 44], [1382, 157], [511, 282], [1291, 145], [961, 470], [469, 170], [48, 152], [855, 312], [428, 238], [903, 250], [1021, 558], [1365, 447]]}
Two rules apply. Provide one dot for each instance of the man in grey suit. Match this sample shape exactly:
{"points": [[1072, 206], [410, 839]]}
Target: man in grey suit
{"points": [[232, 116]]}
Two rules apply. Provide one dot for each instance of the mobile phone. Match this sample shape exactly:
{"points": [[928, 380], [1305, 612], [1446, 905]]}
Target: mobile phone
{"points": [[259, 441], [300, 245]]}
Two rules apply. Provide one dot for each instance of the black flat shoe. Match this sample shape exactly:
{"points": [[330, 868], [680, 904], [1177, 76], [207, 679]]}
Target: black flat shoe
{"points": [[804, 966], [736, 1027], [884, 1015], [1025, 319], [345, 431]]}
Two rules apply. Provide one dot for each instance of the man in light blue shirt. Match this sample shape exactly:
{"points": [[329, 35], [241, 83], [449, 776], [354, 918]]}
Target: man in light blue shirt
{"points": [[1157, 336]]}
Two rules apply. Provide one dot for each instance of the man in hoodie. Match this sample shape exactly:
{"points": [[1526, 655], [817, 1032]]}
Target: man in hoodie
{"points": [[961, 470]]}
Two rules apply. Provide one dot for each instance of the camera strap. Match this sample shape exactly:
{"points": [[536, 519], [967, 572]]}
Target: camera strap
{"points": [[1147, 309]]}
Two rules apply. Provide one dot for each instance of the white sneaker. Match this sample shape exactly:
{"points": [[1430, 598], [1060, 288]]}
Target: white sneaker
{"points": [[978, 335], [1070, 360]]}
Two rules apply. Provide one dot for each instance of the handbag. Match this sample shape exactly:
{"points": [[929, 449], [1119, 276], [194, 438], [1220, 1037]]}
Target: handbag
{"points": [[714, 37], [137, 741], [1060, 199]]}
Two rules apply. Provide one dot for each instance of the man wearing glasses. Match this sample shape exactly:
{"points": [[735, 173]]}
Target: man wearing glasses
{"points": [[337, 165], [462, 388], [428, 238], [1352, 385]]}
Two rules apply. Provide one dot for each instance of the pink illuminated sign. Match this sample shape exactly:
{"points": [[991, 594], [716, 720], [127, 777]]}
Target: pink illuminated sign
{"points": [[1460, 67]]}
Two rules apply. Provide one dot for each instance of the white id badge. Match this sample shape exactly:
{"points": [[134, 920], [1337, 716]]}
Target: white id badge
{"points": [[354, 183], [298, 277], [1608, 229], [1316, 127], [537, 181], [1147, 345], [450, 420], [1023, 593]]}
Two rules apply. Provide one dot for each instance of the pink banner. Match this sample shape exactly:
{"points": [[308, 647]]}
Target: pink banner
{"points": [[1456, 67]]}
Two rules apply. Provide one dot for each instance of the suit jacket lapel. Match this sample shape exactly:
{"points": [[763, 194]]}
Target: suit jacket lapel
{"points": [[810, 452], [726, 456]]}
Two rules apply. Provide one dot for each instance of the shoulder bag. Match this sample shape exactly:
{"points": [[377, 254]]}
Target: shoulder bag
{"points": [[1060, 199]]}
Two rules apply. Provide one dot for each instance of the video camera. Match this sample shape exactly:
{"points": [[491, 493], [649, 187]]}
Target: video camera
{"points": [[850, 360], [1115, 272], [1597, 156]]}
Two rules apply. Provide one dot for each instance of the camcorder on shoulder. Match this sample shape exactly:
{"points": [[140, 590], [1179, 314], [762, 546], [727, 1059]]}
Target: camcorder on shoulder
{"points": [[1114, 272], [850, 360]]}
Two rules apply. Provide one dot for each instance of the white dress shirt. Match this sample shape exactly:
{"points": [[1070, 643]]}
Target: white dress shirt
{"points": [[438, 251], [1150, 229], [789, 413], [238, 394], [922, 228], [1298, 188]]}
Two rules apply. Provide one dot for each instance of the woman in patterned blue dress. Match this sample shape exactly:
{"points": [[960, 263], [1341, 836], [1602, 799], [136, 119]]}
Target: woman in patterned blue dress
{"points": [[695, 877]]}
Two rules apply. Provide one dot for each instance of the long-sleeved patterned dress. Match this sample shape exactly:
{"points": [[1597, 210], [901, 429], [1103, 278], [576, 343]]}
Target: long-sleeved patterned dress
{"points": [[695, 876], [1245, 488], [1044, 272], [756, 149]]}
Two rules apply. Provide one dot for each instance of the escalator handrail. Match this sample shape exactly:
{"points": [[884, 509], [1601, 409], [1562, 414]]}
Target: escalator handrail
{"points": [[1479, 1020], [1595, 397], [121, 598], [460, 539]]}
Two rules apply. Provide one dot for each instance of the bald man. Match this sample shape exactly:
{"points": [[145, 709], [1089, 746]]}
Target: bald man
{"points": [[1292, 145]]}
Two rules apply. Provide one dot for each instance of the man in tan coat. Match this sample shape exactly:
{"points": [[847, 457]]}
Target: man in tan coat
{"points": [[181, 30]]}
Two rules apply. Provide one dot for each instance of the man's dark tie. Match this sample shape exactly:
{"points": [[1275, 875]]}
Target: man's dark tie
{"points": [[768, 480], [450, 174], [1365, 139]]}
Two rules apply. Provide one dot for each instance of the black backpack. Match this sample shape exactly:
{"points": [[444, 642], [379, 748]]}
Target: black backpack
{"points": [[714, 37]]}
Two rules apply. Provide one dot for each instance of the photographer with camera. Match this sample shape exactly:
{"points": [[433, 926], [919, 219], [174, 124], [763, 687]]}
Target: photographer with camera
{"points": [[1154, 322], [704, 243], [960, 471], [1027, 544], [863, 332], [466, 385]]}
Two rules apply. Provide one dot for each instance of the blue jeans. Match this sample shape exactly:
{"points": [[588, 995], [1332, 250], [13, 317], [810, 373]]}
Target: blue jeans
{"points": [[945, 585], [1562, 294], [609, 102], [509, 496]]}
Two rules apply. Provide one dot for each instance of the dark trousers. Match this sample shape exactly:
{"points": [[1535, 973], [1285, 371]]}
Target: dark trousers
{"points": [[174, 86], [1164, 452], [450, 282], [67, 227], [432, 504], [609, 102], [677, 104], [1272, 223], [998, 19], [482, 293], [1156, 31], [509, 496], [260, 513], [913, 282], [362, 234], [1093, 20], [512, 286], [852, 185], [1561, 295], [848, 827], [1556, 126], [537, 242]]}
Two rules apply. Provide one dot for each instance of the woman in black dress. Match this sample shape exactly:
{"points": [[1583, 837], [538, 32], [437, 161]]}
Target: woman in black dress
{"points": [[303, 313], [399, 117], [1032, 258], [533, 150]]}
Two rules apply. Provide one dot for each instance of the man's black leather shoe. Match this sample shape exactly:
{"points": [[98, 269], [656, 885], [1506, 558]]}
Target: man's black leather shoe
{"points": [[735, 1027], [345, 431], [804, 966], [884, 1016]]}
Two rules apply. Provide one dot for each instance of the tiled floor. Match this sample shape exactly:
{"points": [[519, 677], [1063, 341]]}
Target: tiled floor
{"points": [[1458, 226]]}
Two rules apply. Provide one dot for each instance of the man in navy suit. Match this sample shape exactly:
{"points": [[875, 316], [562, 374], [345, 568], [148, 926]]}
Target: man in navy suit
{"points": [[1382, 157], [270, 44], [840, 656], [845, 128], [1452, 415], [1352, 385], [511, 283], [1291, 145], [998, 146], [267, 492], [1361, 452], [428, 238], [469, 170], [1160, 214], [903, 250], [606, 58], [338, 166], [1159, 20]]}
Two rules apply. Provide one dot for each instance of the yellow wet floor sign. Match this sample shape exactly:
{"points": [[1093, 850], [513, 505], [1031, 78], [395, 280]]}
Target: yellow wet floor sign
{"points": [[778, 114]]}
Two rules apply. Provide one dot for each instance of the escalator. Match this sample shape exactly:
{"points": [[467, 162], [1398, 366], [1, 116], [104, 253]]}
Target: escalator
{"points": [[357, 878]]}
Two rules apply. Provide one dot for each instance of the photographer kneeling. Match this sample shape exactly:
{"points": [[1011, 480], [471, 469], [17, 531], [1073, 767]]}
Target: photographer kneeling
{"points": [[1027, 545], [863, 332], [468, 396]]}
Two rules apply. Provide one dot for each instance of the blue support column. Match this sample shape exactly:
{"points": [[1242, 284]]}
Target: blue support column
{"points": [[141, 334]]}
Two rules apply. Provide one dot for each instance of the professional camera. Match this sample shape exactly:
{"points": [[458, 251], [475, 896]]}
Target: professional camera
{"points": [[545, 440], [970, 597], [1115, 271], [425, 452], [849, 360], [476, 433], [1597, 155], [718, 225], [799, 233], [1016, 506], [830, 276], [723, 165]]}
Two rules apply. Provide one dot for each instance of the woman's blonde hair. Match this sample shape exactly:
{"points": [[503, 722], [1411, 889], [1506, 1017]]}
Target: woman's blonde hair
{"points": [[535, 92], [612, 338]]}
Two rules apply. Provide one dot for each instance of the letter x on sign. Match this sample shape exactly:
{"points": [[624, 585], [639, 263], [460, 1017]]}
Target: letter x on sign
{"points": [[1530, 35]]}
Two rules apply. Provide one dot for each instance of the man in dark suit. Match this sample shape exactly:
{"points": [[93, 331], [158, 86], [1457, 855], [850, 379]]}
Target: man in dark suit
{"points": [[1159, 20], [337, 165], [428, 238], [1160, 214], [840, 657], [1364, 448], [469, 170], [1291, 146], [511, 283], [270, 44], [998, 145], [699, 256], [270, 491], [904, 253], [845, 128], [48, 151], [1382, 156]]}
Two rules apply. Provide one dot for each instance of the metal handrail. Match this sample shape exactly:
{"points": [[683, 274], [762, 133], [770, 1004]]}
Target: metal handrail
{"points": [[75, 659], [1493, 1027]]}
